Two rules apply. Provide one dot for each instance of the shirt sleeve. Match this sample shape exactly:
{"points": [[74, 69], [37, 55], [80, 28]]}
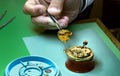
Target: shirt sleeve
{"points": [[85, 4]]}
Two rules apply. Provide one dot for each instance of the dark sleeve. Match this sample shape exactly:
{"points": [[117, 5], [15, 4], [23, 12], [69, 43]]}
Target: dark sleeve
{"points": [[85, 4]]}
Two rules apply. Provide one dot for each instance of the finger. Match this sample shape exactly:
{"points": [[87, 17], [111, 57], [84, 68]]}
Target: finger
{"points": [[43, 21], [47, 23], [34, 9], [55, 7], [64, 21]]}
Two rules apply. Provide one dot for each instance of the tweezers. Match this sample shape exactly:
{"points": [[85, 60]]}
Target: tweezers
{"points": [[51, 16], [7, 22]]}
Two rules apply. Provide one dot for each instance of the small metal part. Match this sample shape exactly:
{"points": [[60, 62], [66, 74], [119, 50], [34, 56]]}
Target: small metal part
{"points": [[4, 13], [7, 22], [48, 71], [85, 43]]}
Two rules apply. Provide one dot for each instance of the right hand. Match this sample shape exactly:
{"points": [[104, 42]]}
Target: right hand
{"points": [[64, 10]]}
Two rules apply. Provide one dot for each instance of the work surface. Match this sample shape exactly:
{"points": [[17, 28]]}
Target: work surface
{"points": [[18, 39]]}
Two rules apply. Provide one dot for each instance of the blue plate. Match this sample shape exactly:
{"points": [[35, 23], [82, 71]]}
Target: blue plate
{"points": [[32, 66]]}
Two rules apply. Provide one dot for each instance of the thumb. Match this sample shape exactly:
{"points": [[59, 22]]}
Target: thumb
{"points": [[55, 7]]}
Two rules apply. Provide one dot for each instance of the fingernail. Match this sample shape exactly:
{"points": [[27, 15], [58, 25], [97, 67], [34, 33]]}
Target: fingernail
{"points": [[62, 25], [53, 10]]}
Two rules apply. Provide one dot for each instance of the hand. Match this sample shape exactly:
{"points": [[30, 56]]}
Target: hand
{"points": [[64, 10]]}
